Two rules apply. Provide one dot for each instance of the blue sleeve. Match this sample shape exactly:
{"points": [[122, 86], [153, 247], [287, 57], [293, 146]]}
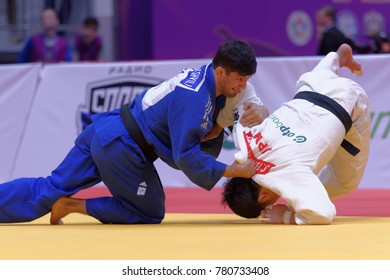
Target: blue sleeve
{"points": [[25, 53], [186, 117]]}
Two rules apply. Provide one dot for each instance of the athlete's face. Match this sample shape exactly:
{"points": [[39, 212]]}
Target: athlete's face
{"points": [[233, 83]]}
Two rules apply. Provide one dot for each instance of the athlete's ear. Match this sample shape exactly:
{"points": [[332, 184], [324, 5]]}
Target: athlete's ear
{"points": [[267, 196], [219, 70], [262, 198]]}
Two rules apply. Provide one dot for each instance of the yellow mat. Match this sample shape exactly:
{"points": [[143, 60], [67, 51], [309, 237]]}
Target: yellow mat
{"points": [[196, 237]]}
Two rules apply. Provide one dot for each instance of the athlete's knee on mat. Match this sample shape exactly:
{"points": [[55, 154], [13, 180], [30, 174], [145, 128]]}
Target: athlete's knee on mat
{"points": [[155, 219], [111, 210], [124, 217], [131, 220]]}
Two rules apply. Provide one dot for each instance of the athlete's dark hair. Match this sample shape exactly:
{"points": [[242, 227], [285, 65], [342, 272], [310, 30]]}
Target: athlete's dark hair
{"points": [[241, 195], [236, 56]]}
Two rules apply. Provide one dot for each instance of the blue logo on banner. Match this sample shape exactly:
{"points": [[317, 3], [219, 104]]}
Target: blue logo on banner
{"points": [[107, 95]]}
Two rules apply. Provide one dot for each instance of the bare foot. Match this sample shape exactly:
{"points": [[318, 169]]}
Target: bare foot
{"points": [[346, 59], [58, 211], [64, 206]]}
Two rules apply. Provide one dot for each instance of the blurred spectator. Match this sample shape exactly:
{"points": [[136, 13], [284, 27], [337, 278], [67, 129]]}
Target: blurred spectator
{"points": [[88, 44], [47, 46], [63, 8], [382, 42], [330, 38]]}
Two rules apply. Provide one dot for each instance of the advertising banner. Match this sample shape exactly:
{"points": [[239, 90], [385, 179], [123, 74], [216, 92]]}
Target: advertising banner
{"points": [[18, 84], [68, 94]]}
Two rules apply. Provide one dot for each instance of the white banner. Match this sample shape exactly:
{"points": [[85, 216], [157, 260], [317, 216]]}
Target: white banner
{"points": [[68, 93], [17, 89]]}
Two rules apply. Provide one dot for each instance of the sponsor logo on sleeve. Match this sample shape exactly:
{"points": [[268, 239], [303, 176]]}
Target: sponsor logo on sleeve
{"points": [[206, 124], [194, 78]]}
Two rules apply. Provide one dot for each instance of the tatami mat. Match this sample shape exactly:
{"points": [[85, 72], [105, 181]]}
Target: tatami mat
{"points": [[196, 236]]}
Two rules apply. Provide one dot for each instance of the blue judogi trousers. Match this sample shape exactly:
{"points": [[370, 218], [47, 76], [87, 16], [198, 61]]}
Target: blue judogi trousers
{"points": [[137, 193]]}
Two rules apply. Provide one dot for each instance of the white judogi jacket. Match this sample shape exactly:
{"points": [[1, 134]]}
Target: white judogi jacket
{"points": [[297, 148]]}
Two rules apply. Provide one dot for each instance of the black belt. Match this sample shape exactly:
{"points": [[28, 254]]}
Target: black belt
{"points": [[135, 132], [335, 108]]}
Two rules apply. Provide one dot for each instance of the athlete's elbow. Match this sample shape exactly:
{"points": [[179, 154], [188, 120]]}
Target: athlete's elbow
{"points": [[201, 176], [199, 179], [203, 183]]}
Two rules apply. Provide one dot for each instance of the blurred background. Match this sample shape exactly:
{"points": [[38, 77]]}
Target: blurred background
{"points": [[180, 29]]}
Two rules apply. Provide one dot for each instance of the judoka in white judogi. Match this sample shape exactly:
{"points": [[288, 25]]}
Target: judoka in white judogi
{"points": [[314, 148]]}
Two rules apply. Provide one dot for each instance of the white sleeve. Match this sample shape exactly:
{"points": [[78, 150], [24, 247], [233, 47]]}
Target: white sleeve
{"points": [[247, 95], [238, 136]]}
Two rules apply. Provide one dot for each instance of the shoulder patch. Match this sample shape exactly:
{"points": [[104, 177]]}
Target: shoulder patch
{"points": [[193, 78]]}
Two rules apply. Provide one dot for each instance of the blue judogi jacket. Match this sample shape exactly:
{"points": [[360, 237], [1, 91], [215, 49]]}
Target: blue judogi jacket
{"points": [[174, 116]]}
